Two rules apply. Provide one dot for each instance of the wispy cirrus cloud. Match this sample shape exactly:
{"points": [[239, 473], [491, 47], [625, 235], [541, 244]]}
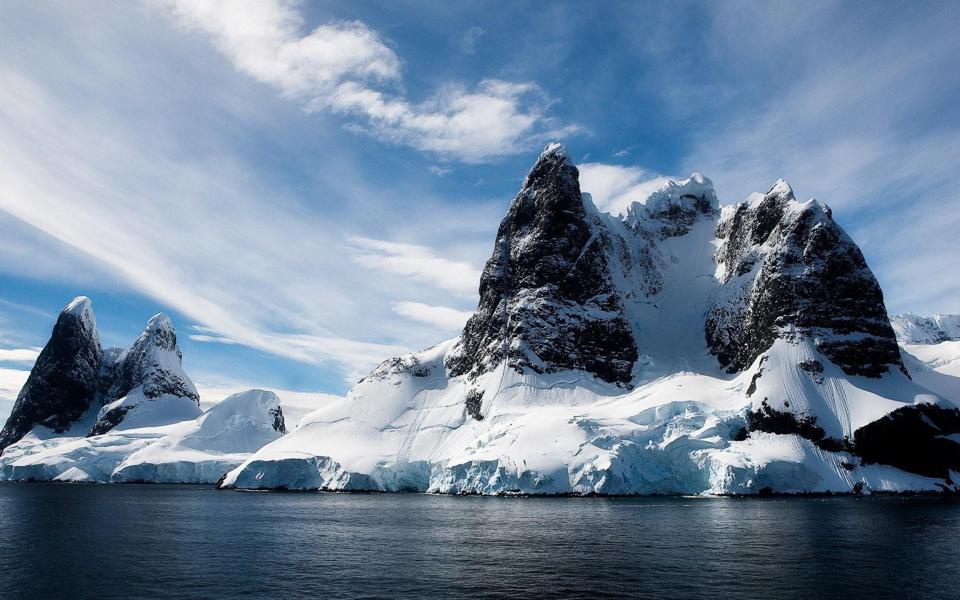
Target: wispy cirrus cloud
{"points": [[344, 67], [466, 41], [442, 317], [189, 222], [417, 262]]}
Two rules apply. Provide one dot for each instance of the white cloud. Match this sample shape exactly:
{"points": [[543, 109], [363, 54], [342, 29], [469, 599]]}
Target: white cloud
{"points": [[417, 262], [263, 39], [113, 180], [614, 188], [19, 354], [466, 41], [337, 66], [443, 317], [11, 380]]}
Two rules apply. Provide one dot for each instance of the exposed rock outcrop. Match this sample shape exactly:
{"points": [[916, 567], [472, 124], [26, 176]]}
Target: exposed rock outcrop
{"points": [[789, 270], [922, 439]]}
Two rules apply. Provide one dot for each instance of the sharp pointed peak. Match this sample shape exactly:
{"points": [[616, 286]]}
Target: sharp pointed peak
{"points": [[553, 165], [80, 309], [781, 188], [555, 149], [78, 305], [159, 321]]}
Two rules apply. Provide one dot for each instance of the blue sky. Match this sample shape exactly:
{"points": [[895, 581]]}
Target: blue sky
{"points": [[309, 188]]}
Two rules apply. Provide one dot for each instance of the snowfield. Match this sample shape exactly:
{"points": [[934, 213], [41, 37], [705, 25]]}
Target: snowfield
{"points": [[566, 434]]}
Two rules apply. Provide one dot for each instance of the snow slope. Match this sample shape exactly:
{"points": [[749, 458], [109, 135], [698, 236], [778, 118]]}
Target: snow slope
{"points": [[198, 450], [936, 367], [563, 433]]}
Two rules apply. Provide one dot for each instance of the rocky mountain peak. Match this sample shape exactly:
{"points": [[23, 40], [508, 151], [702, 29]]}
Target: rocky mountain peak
{"points": [[160, 333], [781, 189], [150, 370], [789, 269], [675, 207], [73, 374], [64, 380], [553, 169], [547, 302]]}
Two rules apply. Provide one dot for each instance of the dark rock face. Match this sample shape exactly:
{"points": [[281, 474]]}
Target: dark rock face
{"points": [[770, 420], [110, 420], [474, 402], [64, 380], [790, 270], [279, 425], [912, 438], [547, 302]]}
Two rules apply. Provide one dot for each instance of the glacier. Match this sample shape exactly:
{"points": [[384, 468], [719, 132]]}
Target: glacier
{"points": [[569, 434]]}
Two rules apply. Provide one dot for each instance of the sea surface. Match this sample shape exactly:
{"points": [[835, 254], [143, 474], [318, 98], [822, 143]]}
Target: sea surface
{"points": [[130, 541]]}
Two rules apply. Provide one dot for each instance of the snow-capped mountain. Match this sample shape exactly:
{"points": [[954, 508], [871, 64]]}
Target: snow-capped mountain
{"points": [[147, 382], [88, 414], [931, 350], [680, 348], [914, 329], [75, 384]]}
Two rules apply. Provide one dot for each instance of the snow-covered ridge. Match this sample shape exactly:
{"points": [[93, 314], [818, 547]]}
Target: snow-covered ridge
{"points": [[198, 450], [694, 195], [916, 329], [590, 366]]}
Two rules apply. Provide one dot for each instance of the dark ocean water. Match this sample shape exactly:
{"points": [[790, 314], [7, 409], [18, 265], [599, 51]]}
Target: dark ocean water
{"points": [[70, 541]]}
